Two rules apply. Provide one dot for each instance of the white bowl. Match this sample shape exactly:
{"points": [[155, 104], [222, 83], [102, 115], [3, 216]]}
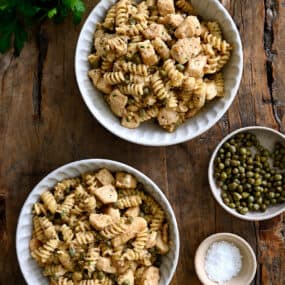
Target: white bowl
{"points": [[248, 269], [149, 133], [267, 138], [32, 272]]}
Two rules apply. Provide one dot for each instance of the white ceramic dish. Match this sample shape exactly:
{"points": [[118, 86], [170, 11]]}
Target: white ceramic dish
{"points": [[32, 272], [248, 270], [267, 138], [149, 133]]}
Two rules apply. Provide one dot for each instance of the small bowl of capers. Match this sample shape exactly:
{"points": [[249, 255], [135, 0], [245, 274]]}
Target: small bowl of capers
{"points": [[247, 173]]}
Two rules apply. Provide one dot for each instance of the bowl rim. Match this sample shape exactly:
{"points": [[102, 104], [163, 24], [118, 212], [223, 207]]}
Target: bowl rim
{"points": [[211, 239], [175, 139], [212, 182], [125, 167]]}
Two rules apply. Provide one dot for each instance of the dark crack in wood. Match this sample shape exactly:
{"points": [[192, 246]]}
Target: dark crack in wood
{"points": [[2, 217], [270, 15], [42, 43]]}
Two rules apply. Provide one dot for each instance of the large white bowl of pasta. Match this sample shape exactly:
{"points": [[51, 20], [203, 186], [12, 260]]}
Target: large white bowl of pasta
{"points": [[158, 72], [97, 222]]}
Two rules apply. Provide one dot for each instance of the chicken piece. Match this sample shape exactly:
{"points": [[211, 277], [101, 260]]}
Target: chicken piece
{"points": [[100, 221], [165, 7], [106, 194], [147, 53], [199, 96], [161, 246], [151, 241], [95, 75], [161, 48], [133, 211], [117, 102], [105, 264], [131, 120], [189, 84], [105, 177], [190, 27], [113, 213], [126, 278], [125, 180], [184, 49], [138, 224], [173, 20], [167, 117], [211, 91], [99, 82], [150, 276], [195, 66], [156, 31], [94, 60], [34, 244]]}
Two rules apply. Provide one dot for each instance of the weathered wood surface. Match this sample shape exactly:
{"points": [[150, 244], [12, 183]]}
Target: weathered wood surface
{"points": [[44, 124]]}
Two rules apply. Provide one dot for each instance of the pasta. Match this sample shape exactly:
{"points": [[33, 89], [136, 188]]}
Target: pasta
{"points": [[102, 228], [145, 54]]}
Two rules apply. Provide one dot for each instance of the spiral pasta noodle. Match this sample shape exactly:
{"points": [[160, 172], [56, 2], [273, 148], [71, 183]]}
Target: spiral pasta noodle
{"points": [[91, 240]]}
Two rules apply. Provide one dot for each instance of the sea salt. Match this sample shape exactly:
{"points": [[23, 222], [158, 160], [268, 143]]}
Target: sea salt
{"points": [[223, 261]]}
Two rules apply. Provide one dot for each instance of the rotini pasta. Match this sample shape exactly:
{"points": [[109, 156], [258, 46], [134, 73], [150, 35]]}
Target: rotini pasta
{"points": [[144, 54], [104, 227]]}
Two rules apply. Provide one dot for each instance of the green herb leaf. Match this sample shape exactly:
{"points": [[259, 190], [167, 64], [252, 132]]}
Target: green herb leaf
{"points": [[52, 13]]}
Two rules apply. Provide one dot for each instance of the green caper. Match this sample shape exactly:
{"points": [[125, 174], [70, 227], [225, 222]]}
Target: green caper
{"points": [[146, 90], [132, 21], [180, 67], [163, 73], [100, 275], [126, 282]]}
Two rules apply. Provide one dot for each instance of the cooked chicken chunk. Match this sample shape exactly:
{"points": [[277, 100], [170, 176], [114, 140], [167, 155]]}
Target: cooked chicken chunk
{"points": [[167, 117], [184, 49], [113, 213], [211, 91], [195, 67], [160, 245], [150, 276], [106, 194], [105, 176], [126, 278], [99, 82], [133, 211], [147, 53], [125, 180], [100, 221], [117, 102], [156, 31], [190, 27], [165, 7], [172, 19]]}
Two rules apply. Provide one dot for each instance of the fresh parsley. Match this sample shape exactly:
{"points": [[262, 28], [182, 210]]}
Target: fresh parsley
{"points": [[17, 16]]}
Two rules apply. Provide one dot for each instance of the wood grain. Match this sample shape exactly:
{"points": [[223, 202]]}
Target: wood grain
{"points": [[44, 124]]}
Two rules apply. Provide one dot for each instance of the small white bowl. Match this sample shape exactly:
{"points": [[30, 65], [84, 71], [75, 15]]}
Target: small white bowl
{"points": [[149, 133], [248, 269], [267, 137], [32, 272]]}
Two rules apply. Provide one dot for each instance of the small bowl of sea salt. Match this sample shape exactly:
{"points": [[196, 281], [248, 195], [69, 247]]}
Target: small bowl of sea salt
{"points": [[225, 259]]}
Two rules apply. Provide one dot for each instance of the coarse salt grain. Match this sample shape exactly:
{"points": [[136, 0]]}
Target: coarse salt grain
{"points": [[223, 261]]}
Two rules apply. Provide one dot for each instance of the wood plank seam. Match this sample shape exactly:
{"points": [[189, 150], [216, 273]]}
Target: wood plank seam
{"points": [[42, 45], [271, 13]]}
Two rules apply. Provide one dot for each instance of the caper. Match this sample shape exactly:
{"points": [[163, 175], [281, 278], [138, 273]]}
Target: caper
{"points": [[180, 67], [163, 73], [146, 90], [100, 275]]}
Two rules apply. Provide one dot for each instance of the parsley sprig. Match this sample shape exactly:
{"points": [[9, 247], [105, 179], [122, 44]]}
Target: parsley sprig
{"points": [[17, 16]]}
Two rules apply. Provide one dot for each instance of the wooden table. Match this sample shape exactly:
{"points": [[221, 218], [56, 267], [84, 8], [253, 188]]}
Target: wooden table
{"points": [[45, 124]]}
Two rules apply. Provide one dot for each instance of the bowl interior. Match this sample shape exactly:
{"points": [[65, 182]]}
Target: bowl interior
{"points": [[267, 138], [32, 271], [247, 272], [149, 133]]}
